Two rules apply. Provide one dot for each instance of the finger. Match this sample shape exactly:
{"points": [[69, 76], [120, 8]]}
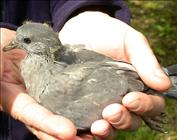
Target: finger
{"points": [[138, 52], [141, 103], [120, 118], [24, 108], [41, 135], [102, 130], [84, 137], [15, 55]]}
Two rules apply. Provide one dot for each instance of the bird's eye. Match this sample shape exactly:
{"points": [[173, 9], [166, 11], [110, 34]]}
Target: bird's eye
{"points": [[27, 40]]}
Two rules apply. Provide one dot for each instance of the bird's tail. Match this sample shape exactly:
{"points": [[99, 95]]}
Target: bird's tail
{"points": [[171, 71]]}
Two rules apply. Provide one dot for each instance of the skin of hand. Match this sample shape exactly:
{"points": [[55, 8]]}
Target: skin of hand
{"points": [[101, 33], [114, 38]]}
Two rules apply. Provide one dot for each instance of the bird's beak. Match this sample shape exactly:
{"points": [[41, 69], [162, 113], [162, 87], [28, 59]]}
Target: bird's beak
{"points": [[11, 46]]}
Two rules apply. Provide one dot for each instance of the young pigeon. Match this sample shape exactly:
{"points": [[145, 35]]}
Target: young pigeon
{"points": [[72, 81]]}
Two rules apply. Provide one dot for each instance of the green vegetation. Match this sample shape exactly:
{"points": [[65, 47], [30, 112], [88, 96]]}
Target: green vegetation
{"points": [[157, 20]]}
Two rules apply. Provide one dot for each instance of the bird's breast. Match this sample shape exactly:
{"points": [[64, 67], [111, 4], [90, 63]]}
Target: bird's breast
{"points": [[36, 75]]}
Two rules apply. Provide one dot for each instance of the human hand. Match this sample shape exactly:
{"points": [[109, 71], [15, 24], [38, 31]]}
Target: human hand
{"points": [[114, 38], [14, 100]]}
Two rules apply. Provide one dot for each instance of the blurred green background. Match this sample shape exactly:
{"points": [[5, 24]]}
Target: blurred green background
{"points": [[157, 20]]}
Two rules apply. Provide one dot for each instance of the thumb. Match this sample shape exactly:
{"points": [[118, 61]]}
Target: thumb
{"points": [[139, 53]]}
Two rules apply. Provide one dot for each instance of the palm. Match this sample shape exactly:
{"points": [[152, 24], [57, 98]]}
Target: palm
{"points": [[11, 82], [10, 64]]}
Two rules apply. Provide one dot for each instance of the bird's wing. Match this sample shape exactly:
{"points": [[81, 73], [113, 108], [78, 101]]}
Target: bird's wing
{"points": [[78, 54], [81, 91], [64, 83]]}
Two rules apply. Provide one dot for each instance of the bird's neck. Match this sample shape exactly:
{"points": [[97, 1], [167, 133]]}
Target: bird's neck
{"points": [[35, 72]]}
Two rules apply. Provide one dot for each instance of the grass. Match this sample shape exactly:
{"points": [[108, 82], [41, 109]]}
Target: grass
{"points": [[157, 21]]}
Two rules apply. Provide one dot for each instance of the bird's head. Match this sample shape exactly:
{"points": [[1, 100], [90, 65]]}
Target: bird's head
{"points": [[35, 38]]}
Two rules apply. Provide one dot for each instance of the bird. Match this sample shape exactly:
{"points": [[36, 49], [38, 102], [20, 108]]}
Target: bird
{"points": [[75, 82]]}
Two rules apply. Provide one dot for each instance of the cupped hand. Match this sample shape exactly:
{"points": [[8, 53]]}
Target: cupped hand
{"points": [[14, 100], [114, 38]]}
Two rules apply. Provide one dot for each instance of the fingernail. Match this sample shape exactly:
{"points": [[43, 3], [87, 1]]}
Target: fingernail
{"points": [[110, 136], [159, 73], [103, 135], [116, 117], [134, 105]]}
